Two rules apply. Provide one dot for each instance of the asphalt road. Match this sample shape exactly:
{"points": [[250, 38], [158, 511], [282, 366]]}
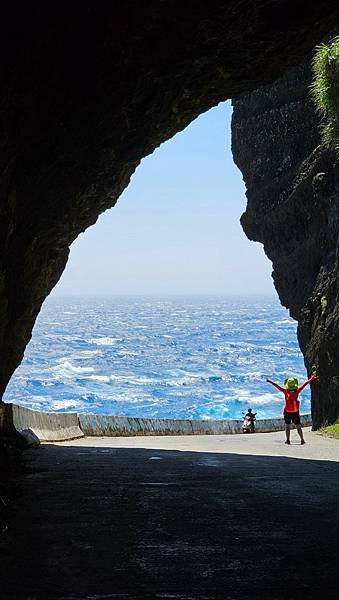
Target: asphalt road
{"points": [[196, 517]]}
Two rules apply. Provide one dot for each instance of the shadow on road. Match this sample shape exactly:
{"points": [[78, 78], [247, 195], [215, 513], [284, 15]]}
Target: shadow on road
{"points": [[101, 523]]}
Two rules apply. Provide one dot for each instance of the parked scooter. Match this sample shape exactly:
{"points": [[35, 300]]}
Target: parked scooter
{"points": [[248, 422]]}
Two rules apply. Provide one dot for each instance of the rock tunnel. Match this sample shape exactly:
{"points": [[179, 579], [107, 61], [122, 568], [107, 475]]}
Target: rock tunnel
{"points": [[89, 89]]}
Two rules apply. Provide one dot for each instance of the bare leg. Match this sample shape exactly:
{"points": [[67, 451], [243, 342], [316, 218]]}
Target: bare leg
{"points": [[300, 433], [288, 431]]}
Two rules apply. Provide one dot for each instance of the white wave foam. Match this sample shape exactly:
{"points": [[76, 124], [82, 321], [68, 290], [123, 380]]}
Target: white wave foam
{"points": [[66, 369], [256, 321], [102, 378], [84, 354], [65, 404], [285, 322], [264, 399], [258, 400], [36, 402], [172, 381], [105, 341], [131, 379], [254, 376]]}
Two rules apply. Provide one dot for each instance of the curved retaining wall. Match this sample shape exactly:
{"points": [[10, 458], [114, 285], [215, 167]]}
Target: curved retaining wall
{"points": [[47, 427], [103, 425], [53, 427]]}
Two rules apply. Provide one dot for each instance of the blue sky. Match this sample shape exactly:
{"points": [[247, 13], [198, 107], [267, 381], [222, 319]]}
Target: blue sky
{"points": [[175, 229]]}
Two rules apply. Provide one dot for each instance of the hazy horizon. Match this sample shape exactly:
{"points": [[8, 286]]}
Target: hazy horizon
{"points": [[164, 294]]}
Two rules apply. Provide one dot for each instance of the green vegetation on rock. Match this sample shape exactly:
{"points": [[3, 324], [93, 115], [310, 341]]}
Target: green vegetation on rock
{"points": [[331, 430], [325, 90]]}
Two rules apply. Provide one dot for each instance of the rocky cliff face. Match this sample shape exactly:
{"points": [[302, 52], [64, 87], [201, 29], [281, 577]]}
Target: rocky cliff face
{"points": [[293, 209]]}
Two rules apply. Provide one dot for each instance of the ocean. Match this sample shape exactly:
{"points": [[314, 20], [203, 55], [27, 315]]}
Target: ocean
{"points": [[200, 357]]}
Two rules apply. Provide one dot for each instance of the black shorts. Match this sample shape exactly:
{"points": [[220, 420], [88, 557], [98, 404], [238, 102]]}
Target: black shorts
{"points": [[293, 417]]}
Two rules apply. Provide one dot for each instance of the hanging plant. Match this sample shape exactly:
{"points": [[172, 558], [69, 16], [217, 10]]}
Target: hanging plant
{"points": [[325, 90]]}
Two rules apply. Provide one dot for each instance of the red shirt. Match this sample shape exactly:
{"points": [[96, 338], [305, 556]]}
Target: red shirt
{"points": [[291, 397]]}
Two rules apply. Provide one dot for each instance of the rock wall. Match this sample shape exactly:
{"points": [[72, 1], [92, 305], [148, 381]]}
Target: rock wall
{"points": [[293, 209]]}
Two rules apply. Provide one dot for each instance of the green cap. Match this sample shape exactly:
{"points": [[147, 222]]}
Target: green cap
{"points": [[291, 383]]}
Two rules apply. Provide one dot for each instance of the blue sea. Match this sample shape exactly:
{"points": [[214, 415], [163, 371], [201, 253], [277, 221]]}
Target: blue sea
{"points": [[201, 357]]}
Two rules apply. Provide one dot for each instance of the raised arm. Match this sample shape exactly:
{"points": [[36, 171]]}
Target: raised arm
{"points": [[312, 378], [281, 389]]}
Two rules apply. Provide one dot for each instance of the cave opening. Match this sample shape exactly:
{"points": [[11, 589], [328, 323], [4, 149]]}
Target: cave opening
{"points": [[172, 249], [87, 94], [80, 112]]}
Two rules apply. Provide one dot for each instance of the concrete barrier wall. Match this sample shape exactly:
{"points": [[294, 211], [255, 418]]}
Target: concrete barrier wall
{"points": [[278, 424], [103, 425], [52, 427], [107, 425], [48, 427]]}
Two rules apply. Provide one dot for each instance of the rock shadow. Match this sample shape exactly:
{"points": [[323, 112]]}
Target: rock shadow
{"points": [[108, 523]]}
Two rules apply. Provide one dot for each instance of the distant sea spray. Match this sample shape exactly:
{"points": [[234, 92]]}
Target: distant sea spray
{"points": [[202, 357]]}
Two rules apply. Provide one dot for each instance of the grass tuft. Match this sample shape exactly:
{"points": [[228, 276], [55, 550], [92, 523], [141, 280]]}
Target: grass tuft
{"points": [[325, 90], [331, 430]]}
